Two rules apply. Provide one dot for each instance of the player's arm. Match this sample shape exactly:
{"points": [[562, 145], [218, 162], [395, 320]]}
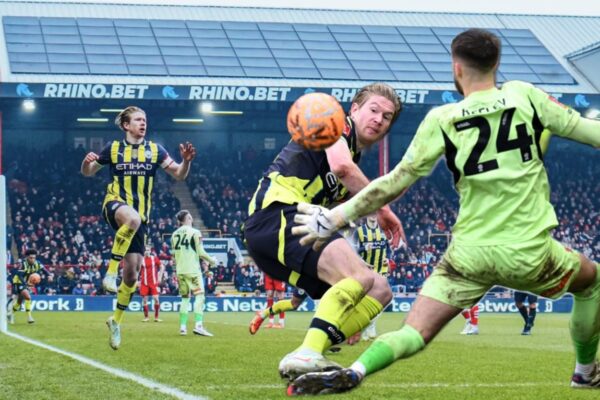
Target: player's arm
{"points": [[90, 165], [317, 224], [202, 254], [161, 271], [341, 164], [563, 120], [587, 131], [180, 171]]}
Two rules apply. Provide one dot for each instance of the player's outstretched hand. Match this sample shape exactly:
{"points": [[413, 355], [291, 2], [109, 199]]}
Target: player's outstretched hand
{"points": [[90, 157], [188, 151], [317, 224], [391, 225]]}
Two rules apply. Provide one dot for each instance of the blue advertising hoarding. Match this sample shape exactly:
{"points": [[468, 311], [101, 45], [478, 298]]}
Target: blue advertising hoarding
{"points": [[237, 93], [248, 304]]}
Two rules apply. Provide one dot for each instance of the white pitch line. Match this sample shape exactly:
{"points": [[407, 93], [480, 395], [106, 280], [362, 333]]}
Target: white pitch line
{"points": [[149, 383]]}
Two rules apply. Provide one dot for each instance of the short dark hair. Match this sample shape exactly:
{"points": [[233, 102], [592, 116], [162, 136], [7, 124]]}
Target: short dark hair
{"points": [[180, 216], [31, 252], [479, 48]]}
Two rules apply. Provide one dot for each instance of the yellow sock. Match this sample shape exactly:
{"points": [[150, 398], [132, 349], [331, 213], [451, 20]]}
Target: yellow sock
{"points": [[28, 306], [336, 305], [282, 306], [124, 296], [368, 308], [121, 244], [16, 306]]}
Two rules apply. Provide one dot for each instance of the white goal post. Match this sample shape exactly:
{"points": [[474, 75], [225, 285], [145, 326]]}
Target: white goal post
{"points": [[3, 247]]}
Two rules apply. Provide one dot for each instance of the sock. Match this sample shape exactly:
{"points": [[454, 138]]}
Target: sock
{"points": [[532, 314], [584, 369], [390, 347], [365, 311], [281, 307], [121, 244], [146, 310], [124, 295], [199, 309], [466, 314], [585, 322], [16, 306], [474, 314], [281, 316], [156, 309], [183, 311], [28, 306], [523, 312], [270, 308], [282, 322], [335, 307]]}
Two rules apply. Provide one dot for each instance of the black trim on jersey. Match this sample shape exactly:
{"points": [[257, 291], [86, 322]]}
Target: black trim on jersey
{"points": [[147, 198], [260, 196], [538, 128], [451, 151], [121, 179]]}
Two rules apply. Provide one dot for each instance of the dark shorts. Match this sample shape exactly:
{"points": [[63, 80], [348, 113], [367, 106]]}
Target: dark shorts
{"points": [[277, 252], [138, 243], [520, 297]]}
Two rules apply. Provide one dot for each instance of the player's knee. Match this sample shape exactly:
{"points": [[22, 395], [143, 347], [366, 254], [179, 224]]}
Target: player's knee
{"points": [[381, 290]]}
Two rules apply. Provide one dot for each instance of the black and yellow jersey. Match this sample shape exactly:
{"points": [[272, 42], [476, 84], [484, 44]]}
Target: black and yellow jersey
{"points": [[21, 276], [373, 247], [132, 169], [301, 175]]}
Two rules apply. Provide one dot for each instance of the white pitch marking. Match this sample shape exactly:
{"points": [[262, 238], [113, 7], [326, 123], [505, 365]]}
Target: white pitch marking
{"points": [[149, 383]]}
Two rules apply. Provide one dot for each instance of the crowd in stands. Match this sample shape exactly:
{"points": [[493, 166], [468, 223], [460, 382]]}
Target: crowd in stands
{"points": [[58, 213]]}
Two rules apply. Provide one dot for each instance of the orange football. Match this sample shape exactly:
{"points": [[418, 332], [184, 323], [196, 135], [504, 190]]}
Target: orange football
{"points": [[316, 121]]}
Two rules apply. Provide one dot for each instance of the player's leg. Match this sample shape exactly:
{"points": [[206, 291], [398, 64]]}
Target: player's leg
{"points": [[269, 312], [280, 296], [184, 306], [466, 313], [519, 300], [133, 261], [350, 280], [291, 304], [197, 288], [445, 293], [126, 221], [474, 318], [10, 310], [156, 301], [585, 324], [144, 294], [425, 319], [532, 300], [27, 300]]}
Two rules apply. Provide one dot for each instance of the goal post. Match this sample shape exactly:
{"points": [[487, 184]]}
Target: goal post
{"points": [[3, 247]]}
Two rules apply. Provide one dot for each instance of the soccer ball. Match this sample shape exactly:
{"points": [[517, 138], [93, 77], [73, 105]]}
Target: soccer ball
{"points": [[316, 121], [34, 279]]}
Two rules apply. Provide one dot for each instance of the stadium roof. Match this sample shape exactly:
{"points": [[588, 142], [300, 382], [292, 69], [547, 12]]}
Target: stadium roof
{"points": [[555, 36]]}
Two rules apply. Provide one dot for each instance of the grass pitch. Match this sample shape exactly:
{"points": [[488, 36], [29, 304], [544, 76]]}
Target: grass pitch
{"points": [[497, 364]]}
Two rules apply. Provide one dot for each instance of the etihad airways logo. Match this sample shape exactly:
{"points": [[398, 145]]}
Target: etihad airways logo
{"points": [[134, 168]]}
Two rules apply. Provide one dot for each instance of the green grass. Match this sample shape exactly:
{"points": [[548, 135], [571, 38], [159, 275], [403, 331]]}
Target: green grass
{"points": [[497, 364]]}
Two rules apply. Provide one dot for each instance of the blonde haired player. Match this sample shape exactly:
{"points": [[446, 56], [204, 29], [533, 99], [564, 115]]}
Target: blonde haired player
{"points": [[133, 162], [186, 245]]}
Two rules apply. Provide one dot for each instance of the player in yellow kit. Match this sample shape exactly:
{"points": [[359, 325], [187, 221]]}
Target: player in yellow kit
{"points": [[491, 141]]}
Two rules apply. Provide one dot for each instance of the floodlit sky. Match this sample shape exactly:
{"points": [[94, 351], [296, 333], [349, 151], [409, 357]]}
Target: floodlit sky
{"points": [[539, 7]]}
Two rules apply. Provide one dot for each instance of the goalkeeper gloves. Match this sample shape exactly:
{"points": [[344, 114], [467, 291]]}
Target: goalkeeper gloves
{"points": [[317, 224]]}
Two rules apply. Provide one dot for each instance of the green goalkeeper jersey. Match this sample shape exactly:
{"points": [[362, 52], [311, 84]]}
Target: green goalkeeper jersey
{"points": [[491, 141], [185, 245]]}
